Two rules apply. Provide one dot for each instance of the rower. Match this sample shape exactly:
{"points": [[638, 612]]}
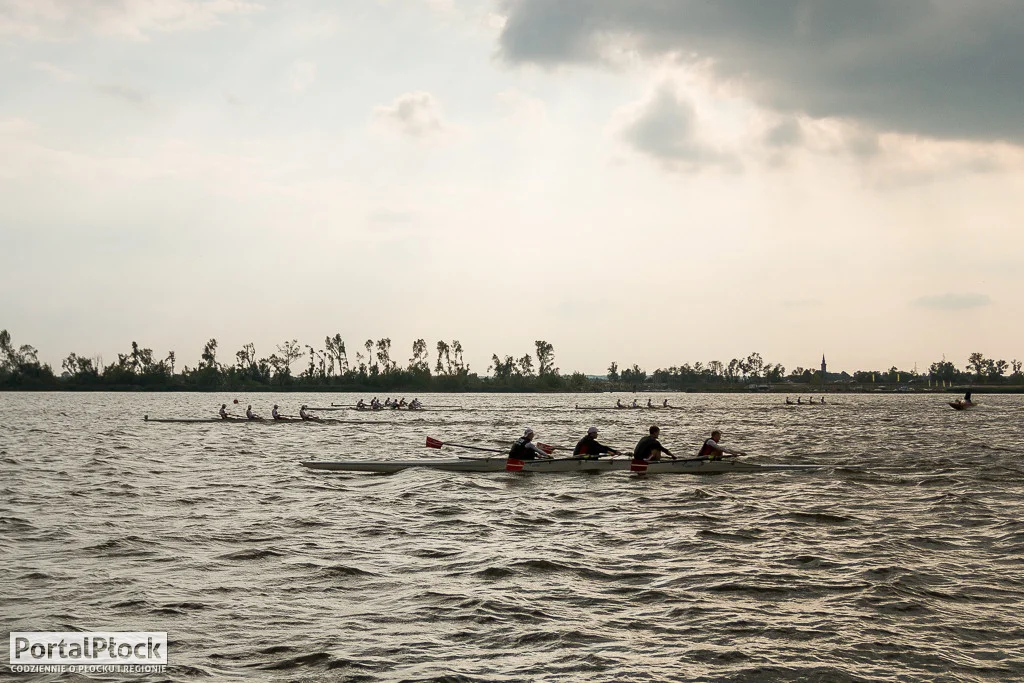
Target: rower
{"points": [[525, 449], [306, 415], [276, 415], [664, 404], [415, 405], [635, 405], [798, 400], [251, 415], [361, 405], [618, 403], [788, 402], [712, 450], [224, 412], [402, 403], [589, 448], [649, 403], [649, 448]]}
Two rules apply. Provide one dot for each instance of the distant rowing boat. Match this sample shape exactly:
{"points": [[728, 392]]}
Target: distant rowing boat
{"points": [[501, 464], [382, 409], [230, 420], [628, 408]]}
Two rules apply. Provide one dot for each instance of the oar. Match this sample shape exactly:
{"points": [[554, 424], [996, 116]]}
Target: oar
{"points": [[434, 443]]}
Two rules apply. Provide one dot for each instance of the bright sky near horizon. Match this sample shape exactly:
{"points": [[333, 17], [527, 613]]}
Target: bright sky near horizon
{"points": [[655, 181]]}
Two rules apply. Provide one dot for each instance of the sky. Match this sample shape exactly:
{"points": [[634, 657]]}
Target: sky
{"points": [[655, 182]]}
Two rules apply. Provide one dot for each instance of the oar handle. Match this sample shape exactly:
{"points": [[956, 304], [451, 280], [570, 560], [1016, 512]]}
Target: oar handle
{"points": [[475, 448]]}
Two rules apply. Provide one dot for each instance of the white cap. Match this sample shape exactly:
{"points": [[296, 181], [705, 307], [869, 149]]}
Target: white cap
{"points": [[592, 430], [528, 432]]}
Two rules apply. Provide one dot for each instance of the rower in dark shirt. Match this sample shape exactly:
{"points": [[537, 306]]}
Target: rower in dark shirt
{"points": [[590, 448], [525, 449], [649, 448]]}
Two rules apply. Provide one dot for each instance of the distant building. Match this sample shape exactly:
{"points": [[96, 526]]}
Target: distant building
{"points": [[823, 368]]}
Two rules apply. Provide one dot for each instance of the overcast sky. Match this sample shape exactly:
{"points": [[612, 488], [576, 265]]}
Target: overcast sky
{"points": [[652, 181]]}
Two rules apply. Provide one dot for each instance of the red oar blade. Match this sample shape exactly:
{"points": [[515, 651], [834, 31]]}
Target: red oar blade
{"points": [[546, 448], [434, 443]]}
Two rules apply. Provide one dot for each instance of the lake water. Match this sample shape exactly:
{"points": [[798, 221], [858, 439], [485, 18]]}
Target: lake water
{"points": [[911, 569]]}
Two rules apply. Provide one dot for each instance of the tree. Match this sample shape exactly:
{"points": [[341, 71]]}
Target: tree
{"points": [[460, 367], [613, 372], [444, 359], [634, 375], [290, 352], [942, 371], [754, 364], [374, 368], [384, 355], [526, 366], [545, 358], [419, 364], [997, 369], [503, 369], [335, 350], [978, 363], [208, 359], [732, 370]]}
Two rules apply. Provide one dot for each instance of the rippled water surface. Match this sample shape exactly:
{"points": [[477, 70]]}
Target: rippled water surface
{"points": [[910, 569]]}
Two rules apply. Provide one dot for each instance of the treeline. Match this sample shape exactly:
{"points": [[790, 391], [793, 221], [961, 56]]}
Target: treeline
{"points": [[374, 367]]}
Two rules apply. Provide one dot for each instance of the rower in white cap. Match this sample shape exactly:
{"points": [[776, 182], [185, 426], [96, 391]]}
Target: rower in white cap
{"points": [[525, 449], [588, 446]]}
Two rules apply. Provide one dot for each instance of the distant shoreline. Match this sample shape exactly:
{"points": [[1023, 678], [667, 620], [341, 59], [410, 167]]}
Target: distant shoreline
{"points": [[790, 390]]}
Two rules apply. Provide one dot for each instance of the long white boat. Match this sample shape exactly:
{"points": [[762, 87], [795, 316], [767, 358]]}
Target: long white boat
{"points": [[502, 464]]}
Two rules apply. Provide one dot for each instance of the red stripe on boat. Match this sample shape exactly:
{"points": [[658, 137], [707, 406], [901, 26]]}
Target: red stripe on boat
{"points": [[638, 466], [513, 465]]}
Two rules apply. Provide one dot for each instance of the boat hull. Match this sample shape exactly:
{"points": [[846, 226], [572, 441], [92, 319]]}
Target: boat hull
{"points": [[557, 465], [232, 420]]}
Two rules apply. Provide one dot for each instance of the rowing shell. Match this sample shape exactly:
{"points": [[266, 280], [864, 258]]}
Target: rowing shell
{"points": [[558, 465], [231, 420], [629, 408]]}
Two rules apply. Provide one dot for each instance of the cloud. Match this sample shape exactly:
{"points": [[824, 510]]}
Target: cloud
{"points": [[521, 108], [416, 114], [952, 302], [665, 127], [56, 20], [302, 75], [126, 93], [948, 70], [56, 72], [784, 134]]}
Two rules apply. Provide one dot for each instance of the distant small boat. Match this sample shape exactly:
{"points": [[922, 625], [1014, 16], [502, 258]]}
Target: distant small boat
{"points": [[961, 405]]}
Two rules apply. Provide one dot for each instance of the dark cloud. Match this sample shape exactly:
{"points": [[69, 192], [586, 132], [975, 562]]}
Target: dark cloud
{"points": [[784, 134], [953, 302], [952, 69], [665, 127]]}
